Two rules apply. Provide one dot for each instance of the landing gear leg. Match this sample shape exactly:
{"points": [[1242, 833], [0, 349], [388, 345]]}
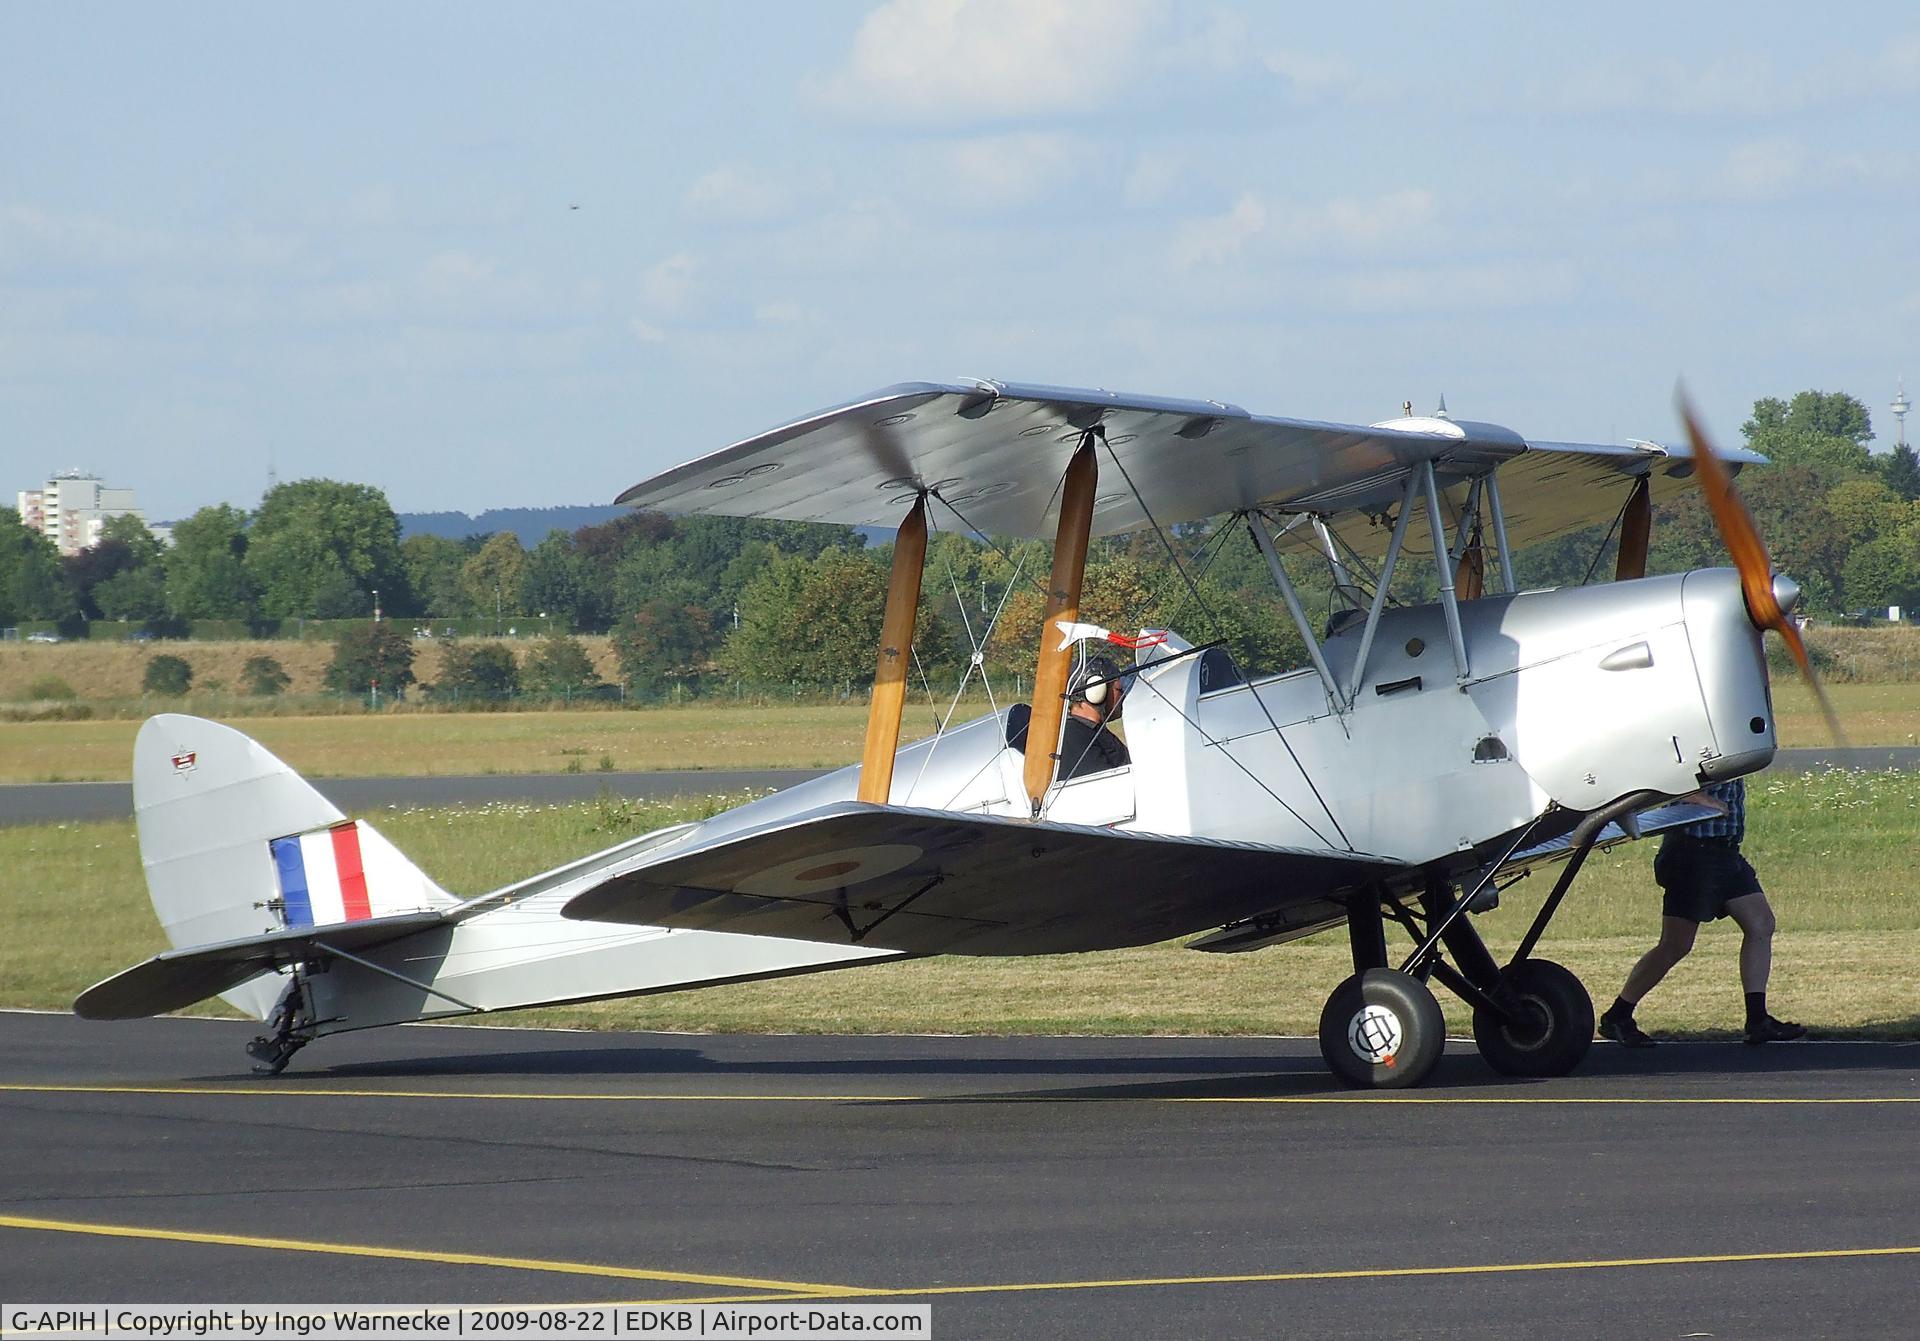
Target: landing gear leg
{"points": [[290, 1030], [1381, 1029]]}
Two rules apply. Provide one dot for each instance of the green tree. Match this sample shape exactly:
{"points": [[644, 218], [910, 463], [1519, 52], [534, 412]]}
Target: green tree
{"points": [[207, 573], [372, 653], [478, 670], [1864, 509], [1788, 505], [31, 586], [491, 578], [137, 594], [1827, 431], [168, 675], [554, 581], [130, 531], [1900, 468], [559, 664], [1881, 572], [264, 677], [815, 622], [669, 637], [320, 548], [86, 571], [433, 564]]}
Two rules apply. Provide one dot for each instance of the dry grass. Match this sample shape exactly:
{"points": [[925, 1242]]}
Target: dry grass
{"points": [[704, 734], [108, 672], [641, 739], [1834, 849]]}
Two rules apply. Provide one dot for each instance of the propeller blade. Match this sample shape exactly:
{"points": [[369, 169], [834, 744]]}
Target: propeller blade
{"points": [[1750, 559], [1791, 632], [1737, 531]]}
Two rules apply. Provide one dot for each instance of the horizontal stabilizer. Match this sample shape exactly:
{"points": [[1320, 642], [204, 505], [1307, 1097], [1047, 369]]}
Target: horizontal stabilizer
{"points": [[178, 978], [935, 882]]}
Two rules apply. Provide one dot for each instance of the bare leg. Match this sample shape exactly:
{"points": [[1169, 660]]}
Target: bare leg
{"points": [[1676, 939], [1754, 915]]}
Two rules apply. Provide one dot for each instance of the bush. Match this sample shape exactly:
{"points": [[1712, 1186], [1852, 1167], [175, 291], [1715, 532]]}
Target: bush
{"points": [[167, 675], [51, 687], [559, 664], [478, 670], [372, 653], [264, 677]]}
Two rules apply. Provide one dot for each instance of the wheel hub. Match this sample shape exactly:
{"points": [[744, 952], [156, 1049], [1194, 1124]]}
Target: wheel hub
{"points": [[1375, 1034]]}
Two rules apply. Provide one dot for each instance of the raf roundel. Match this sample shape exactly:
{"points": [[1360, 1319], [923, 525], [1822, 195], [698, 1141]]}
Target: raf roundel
{"points": [[827, 871]]}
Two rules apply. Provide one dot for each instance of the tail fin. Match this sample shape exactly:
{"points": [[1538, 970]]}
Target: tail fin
{"points": [[237, 846]]}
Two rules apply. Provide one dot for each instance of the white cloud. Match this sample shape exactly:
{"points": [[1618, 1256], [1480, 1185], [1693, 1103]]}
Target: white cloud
{"points": [[471, 285], [646, 331], [1312, 78], [778, 314], [1154, 176], [1486, 285], [1219, 238], [730, 195], [1344, 223], [667, 285], [1002, 171], [965, 61], [33, 236], [1736, 83], [1763, 170]]}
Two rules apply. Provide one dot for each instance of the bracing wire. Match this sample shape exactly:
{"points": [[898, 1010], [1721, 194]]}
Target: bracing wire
{"points": [[1193, 589]]}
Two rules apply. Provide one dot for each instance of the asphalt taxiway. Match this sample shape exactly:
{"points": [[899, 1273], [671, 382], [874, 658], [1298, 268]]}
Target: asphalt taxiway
{"points": [[1031, 1186], [40, 802]]}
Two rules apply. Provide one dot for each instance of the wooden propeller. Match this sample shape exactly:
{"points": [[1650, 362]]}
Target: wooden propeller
{"points": [[1750, 558]]}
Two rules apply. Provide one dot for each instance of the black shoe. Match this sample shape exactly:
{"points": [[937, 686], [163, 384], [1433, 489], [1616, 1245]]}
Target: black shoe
{"points": [[1622, 1030], [1770, 1030]]}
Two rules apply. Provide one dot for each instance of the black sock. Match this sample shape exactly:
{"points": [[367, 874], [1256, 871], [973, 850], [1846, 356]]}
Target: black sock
{"points": [[1621, 1009], [1756, 1007]]}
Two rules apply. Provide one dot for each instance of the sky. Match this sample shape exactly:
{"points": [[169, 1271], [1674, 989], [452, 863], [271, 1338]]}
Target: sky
{"points": [[515, 255]]}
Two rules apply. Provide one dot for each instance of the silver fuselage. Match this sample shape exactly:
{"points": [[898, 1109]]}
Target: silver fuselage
{"points": [[1572, 699]]}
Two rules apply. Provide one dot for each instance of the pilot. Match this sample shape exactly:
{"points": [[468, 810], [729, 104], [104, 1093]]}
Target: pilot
{"points": [[1704, 877], [1095, 693]]}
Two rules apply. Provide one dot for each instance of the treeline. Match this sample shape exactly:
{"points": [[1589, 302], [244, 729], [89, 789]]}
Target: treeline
{"points": [[698, 599]]}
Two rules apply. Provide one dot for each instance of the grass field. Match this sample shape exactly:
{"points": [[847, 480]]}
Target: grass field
{"points": [[696, 735], [1835, 849]]}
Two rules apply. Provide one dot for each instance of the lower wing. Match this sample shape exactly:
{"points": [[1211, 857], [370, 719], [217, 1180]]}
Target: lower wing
{"points": [[935, 882]]}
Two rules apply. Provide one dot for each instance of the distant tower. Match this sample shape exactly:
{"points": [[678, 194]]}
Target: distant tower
{"points": [[1900, 407], [1441, 413]]}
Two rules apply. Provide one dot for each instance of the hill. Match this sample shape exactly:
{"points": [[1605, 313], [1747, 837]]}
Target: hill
{"points": [[529, 524]]}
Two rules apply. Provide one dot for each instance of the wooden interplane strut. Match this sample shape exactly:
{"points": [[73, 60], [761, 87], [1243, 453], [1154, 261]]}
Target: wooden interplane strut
{"points": [[1063, 606], [896, 655], [1636, 529]]}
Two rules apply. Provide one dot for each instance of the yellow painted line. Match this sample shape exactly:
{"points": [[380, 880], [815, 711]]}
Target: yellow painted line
{"points": [[1361, 1273], [270, 1091], [804, 1289]]}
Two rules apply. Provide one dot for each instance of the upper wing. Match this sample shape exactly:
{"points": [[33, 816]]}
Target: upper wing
{"points": [[994, 452], [935, 882]]}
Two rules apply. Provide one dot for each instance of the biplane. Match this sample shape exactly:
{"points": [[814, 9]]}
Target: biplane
{"points": [[1425, 754]]}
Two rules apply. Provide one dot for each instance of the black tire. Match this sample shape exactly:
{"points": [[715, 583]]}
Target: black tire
{"points": [[1382, 1030], [1554, 1027]]}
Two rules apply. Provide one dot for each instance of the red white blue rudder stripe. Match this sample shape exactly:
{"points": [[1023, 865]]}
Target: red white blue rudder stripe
{"points": [[348, 873]]}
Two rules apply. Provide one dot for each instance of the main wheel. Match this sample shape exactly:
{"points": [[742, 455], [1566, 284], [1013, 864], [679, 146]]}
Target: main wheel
{"points": [[1551, 1026], [1382, 1030]]}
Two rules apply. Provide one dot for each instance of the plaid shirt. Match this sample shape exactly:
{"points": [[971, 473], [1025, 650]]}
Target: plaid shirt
{"points": [[1733, 824]]}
